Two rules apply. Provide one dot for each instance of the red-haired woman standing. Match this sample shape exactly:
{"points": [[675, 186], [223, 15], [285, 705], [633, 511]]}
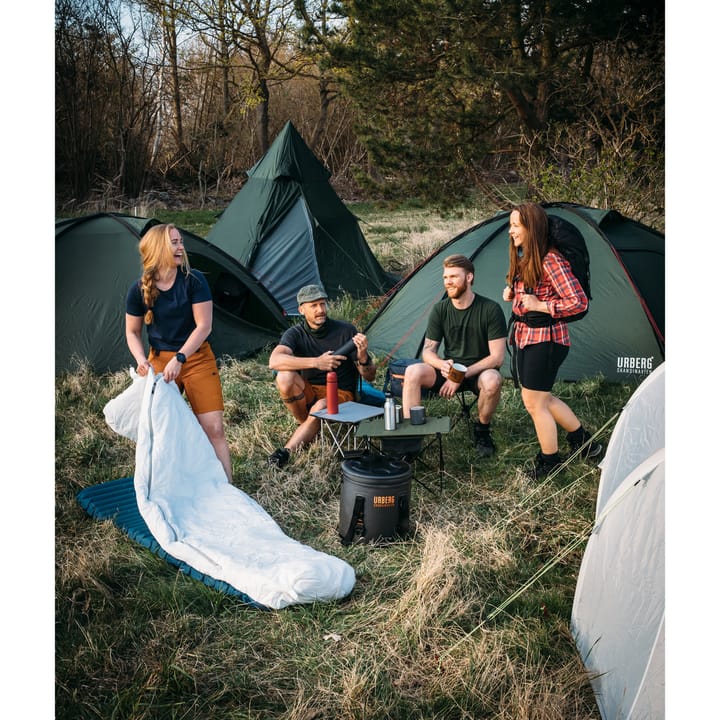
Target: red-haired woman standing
{"points": [[540, 280]]}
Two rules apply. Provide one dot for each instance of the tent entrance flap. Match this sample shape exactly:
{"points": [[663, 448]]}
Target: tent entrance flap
{"points": [[287, 257]]}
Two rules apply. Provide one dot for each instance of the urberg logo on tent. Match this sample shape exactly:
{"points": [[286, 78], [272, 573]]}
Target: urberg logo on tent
{"points": [[635, 365]]}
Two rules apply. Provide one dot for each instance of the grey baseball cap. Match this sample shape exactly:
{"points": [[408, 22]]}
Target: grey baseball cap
{"points": [[310, 293]]}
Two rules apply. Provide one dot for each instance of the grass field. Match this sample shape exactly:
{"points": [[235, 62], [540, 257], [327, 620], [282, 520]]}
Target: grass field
{"points": [[466, 618]]}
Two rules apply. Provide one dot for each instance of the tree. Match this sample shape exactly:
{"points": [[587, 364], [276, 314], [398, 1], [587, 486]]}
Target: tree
{"points": [[256, 34], [79, 72], [105, 111], [446, 90], [320, 26], [169, 14]]}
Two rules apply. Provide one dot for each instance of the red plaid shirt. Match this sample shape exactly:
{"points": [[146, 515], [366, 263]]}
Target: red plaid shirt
{"points": [[564, 296]]}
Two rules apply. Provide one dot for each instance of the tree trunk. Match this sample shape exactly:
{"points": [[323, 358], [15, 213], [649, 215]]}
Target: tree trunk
{"points": [[262, 116], [321, 125], [224, 54], [526, 112], [170, 32]]}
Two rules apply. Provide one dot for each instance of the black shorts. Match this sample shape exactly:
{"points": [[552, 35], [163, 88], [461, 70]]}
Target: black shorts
{"points": [[538, 365]]}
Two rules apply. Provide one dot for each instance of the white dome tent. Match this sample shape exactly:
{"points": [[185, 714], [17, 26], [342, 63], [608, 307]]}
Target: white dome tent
{"points": [[618, 615]]}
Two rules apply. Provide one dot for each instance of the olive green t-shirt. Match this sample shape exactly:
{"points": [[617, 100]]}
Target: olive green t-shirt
{"points": [[465, 333]]}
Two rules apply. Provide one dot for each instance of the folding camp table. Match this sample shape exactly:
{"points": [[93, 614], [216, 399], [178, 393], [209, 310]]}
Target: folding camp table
{"points": [[341, 427]]}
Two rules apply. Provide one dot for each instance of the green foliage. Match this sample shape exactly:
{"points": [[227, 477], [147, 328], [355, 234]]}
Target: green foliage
{"points": [[609, 181], [438, 100], [451, 95]]}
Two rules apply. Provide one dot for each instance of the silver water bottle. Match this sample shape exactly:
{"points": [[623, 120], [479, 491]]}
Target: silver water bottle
{"points": [[389, 411]]}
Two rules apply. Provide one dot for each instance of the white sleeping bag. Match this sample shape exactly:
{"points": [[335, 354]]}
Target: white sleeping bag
{"points": [[198, 517]]}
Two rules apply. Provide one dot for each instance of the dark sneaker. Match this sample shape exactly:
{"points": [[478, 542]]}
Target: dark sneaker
{"points": [[590, 448], [279, 458], [484, 445], [542, 467]]}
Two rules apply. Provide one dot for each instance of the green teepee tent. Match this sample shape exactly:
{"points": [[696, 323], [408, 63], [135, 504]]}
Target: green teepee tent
{"points": [[289, 228], [96, 261], [621, 337]]}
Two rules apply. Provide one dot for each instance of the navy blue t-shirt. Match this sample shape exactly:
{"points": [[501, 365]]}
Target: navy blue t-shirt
{"points": [[173, 319]]}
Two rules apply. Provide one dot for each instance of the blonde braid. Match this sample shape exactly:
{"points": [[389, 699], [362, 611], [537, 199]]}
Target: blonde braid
{"points": [[149, 292]]}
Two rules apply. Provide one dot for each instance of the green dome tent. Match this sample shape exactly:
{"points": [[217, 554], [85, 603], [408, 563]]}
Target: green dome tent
{"points": [[622, 336], [96, 261], [289, 228]]}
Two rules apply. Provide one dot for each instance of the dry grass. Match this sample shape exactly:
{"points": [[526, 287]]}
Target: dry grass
{"points": [[417, 638], [403, 238]]}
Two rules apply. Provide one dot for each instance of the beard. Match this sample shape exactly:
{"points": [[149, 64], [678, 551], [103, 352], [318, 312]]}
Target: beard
{"points": [[315, 322], [457, 290]]}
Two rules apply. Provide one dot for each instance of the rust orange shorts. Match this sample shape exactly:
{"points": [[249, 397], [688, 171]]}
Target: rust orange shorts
{"points": [[199, 378], [320, 392]]}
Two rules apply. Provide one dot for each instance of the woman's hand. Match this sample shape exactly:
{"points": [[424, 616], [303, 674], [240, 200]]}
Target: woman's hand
{"points": [[172, 370], [508, 293], [532, 304]]}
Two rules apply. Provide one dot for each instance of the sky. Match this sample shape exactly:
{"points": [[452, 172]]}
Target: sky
{"points": [[27, 510]]}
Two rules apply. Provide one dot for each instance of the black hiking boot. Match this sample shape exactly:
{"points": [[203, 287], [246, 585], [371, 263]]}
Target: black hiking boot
{"points": [[580, 438], [484, 445], [544, 465], [279, 458]]}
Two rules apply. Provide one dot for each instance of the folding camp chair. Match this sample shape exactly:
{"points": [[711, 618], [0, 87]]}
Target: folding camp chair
{"points": [[464, 410], [393, 382]]}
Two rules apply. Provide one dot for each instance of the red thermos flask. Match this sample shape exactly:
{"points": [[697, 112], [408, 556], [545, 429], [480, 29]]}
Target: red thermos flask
{"points": [[331, 393]]}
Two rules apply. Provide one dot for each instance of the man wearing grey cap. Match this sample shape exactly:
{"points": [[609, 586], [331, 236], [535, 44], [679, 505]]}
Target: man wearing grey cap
{"points": [[302, 359]]}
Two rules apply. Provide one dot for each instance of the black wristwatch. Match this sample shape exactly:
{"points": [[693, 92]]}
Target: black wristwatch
{"points": [[180, 357]]}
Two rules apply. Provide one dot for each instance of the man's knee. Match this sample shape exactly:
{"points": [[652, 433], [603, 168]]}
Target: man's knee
{"points": [[490, 382], [419, 375], [286, 381]]}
